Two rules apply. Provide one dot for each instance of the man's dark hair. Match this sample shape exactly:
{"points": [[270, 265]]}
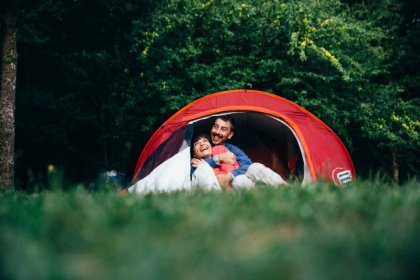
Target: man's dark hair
{"points": [[227, 118]]}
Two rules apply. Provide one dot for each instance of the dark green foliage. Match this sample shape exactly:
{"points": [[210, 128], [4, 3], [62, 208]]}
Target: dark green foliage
{"points": [[366, 231], [73, 81], [96, 78], [387, 112]]}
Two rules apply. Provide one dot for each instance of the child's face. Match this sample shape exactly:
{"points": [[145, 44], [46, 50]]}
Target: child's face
{"points": [[202, 148]]}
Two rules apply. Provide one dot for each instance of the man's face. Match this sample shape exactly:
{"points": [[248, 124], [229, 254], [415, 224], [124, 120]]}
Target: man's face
{"points": [[220, 132], [202, 148]]}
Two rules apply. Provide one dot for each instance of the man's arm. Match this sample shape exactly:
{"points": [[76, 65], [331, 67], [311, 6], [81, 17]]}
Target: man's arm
{"points": [[211, 162], [243, 160]]}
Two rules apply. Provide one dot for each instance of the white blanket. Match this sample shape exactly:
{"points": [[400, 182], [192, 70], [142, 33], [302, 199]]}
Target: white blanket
{"points": [[171, 175]]}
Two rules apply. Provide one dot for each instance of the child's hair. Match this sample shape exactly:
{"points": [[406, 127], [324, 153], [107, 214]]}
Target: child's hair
{"points": [[199, 136]]}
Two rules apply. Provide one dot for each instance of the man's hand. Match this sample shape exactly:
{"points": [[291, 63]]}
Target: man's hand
{"points": [[195, 162], [227, 157], [225, 181]]}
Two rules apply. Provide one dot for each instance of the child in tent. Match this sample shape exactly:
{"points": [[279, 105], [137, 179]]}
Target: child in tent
{"points": [[201, 149]]}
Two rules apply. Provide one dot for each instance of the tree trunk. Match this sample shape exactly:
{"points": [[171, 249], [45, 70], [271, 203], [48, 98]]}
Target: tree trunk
{"points": [[7, 103], [396, 172]]}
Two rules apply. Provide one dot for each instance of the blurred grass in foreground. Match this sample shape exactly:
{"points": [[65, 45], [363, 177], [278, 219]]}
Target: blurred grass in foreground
{"points": [[364, 231]]}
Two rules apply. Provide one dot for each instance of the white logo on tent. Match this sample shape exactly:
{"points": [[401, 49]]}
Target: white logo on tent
{"points": [[343, 176]]}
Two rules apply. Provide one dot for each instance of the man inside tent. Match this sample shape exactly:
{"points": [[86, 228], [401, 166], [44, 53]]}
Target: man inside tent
{"points": [[245, 175]]}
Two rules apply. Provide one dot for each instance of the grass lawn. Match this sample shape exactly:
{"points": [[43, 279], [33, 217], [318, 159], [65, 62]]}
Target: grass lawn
{"points": [[364, 231]]}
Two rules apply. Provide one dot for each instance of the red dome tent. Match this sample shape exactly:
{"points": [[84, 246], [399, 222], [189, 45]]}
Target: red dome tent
{"points": [[270, 129]]}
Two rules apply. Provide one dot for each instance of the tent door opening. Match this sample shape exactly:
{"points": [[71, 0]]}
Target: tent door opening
{"points": [[265, 139]]}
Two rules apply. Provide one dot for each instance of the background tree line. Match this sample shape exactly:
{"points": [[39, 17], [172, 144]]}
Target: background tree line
{"points": [[96, 78]]}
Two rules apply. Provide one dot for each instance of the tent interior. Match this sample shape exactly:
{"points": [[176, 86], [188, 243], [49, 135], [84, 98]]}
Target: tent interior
{"points": [[265, 139]]}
